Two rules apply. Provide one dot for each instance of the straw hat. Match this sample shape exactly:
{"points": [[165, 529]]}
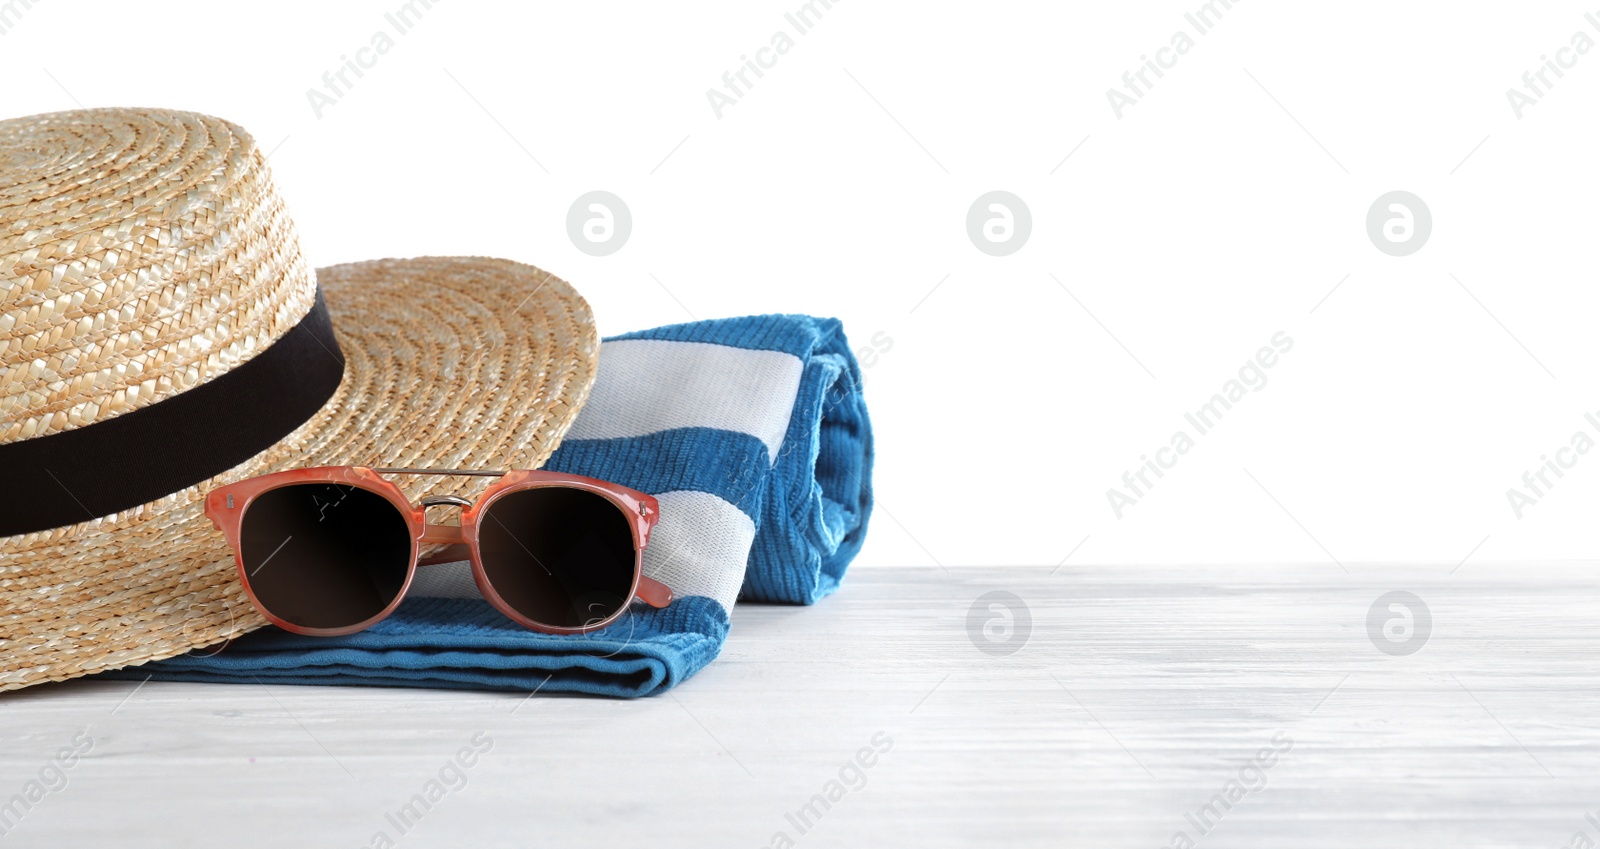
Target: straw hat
{"points": [[161, 334]]}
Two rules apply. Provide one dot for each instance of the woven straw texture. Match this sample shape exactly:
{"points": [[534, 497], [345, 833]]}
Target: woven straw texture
{"points": [[143, 252]]}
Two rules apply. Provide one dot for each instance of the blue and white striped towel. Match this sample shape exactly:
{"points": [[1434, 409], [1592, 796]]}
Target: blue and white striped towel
{"points": [[752, 433]]}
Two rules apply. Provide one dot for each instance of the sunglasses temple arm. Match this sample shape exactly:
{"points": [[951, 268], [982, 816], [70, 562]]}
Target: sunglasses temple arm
{"points": [[653, 592]]}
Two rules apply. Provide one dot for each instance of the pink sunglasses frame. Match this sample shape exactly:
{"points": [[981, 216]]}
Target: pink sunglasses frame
{"points": [[226, 507]]}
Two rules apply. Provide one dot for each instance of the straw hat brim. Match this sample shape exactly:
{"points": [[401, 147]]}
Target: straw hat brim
{"points": [[449, 363]]}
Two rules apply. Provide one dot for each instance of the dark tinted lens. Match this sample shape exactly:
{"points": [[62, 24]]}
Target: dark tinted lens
{"points": [[561, 557], [324, 555]]}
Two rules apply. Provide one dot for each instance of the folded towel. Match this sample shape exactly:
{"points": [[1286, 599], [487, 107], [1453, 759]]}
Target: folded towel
{"points": [[753, 435]]}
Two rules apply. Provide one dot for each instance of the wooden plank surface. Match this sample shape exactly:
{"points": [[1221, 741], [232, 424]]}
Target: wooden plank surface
{"points": [[1132, 700]]}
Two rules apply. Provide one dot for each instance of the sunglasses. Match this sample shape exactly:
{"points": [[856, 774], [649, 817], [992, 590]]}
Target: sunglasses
{"points": [[332, 550]]}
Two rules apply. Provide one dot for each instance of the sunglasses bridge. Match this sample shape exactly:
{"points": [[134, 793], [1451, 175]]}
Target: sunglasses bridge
{"points": [[450, 534]]}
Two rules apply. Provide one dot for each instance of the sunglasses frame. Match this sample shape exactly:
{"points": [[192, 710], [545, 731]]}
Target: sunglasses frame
{"points": [[226, 507]]}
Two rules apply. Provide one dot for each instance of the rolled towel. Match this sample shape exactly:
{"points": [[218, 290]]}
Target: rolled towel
{"points": [[753, 435]]}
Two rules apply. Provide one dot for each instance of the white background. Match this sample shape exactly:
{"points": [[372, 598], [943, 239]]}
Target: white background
{"points": [[1219, 210]]}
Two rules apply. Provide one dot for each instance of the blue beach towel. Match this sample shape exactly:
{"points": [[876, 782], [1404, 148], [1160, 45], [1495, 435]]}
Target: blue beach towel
{"points": [[752, 433]]}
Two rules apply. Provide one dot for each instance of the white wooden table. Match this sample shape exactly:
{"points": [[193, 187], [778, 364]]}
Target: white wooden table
{"points": [[1137, 696]]}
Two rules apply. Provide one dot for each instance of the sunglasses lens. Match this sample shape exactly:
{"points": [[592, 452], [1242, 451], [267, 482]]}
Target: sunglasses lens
{"points": [[559, 556], [323, 555]]}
